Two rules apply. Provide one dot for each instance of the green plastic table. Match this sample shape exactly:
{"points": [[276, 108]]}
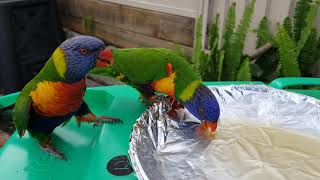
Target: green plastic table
{"points": [[285, 83], [88, 149]]}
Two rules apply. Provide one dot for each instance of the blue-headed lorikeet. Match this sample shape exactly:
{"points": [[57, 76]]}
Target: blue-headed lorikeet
{"points": [[160, 70], [56, 93]]}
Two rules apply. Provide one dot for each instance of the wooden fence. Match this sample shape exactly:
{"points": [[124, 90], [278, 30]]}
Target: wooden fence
{"points": [[162, 23]]}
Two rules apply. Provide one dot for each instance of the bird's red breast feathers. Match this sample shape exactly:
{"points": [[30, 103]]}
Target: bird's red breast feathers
{"points": [[57, 98]]}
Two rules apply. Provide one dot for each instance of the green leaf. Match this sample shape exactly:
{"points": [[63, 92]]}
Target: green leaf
{"points": [[220, 64], [235, 49], [299, 17], [229, 25], [197, 44], [213, 62], [311, 17], [307, 57], [244, 73], [214, 32], [317, 55], [88, 25], [287, 24], [288, 54], [263, 34], [204, 65]]}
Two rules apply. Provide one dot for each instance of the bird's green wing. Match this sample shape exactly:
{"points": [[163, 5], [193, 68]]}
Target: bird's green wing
{"points": [[21, 113]]}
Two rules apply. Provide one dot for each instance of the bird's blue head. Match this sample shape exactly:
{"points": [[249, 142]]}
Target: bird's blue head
{"points": [[76, 56], [204, 106]]}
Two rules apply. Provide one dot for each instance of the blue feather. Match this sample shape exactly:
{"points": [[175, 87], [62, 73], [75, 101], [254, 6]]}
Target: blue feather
{"points": [[46, 125], [79, 65], [203, 105]]}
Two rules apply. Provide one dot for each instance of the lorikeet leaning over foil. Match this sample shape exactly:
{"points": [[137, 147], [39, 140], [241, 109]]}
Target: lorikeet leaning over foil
{"points": [[56, 93], [152, 70]]}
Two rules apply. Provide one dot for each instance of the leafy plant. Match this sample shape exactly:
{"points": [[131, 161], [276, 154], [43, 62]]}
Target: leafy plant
{"points": [[196, 53], [225, 62], [262, 32], [244, 73], [220, 64], [230, 25], [288, 54], [211, 61], [309, 25], [264, 67], [214, 33], [287, 24], [295, 46], [236, 43], [299, 17], [308, 54]]}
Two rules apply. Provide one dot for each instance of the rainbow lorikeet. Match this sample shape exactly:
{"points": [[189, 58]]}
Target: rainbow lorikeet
{"points": [[56, 93], [152, 70]]}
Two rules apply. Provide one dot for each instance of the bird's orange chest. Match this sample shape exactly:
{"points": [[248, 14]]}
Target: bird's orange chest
{"points": [[165, 84], [57, 98]]}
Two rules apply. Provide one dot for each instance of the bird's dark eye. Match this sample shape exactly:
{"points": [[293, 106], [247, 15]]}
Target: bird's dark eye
{"points": [[83, 51]]}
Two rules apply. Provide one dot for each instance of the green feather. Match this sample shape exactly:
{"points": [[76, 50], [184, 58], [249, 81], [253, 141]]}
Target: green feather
{"points": [[146, 65], [22, 108]]}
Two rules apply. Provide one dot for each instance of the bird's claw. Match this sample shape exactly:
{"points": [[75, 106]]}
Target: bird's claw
{"points": [[54, 152], [105, 119]]}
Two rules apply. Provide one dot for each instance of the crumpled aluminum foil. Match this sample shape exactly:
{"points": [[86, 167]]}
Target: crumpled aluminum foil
{"points": [[263, 133]]}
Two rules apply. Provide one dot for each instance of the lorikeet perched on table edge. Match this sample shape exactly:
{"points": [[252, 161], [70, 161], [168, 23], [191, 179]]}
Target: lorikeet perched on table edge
{"points": [[56, 93]]}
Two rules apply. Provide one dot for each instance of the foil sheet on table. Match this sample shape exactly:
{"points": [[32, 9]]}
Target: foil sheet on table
{"points": [[264, 133]]}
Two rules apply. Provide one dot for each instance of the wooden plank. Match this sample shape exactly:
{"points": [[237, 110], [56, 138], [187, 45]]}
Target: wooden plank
{"points": [[171, 28], [121, 37], [150, 23], [186, 8]]}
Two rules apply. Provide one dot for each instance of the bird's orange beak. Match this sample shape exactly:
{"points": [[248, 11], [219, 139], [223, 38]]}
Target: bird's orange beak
{"points": [[105, 58], [207, 130]]}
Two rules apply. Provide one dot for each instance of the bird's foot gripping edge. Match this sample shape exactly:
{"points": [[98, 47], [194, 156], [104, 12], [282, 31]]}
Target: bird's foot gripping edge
{"points": [[148, 101], [98, 121], [175, 106], [207, 130], [105, 119]]}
